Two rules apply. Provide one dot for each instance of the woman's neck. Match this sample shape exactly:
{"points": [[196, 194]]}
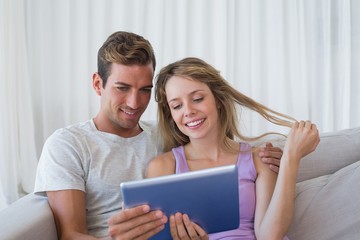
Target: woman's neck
{"points": [[207, 154]]}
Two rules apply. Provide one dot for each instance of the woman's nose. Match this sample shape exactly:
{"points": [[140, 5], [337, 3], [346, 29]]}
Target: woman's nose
{"points": [[189, 110]]}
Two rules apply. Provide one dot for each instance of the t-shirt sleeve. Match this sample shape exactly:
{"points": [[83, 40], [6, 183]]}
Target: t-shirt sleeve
{"points": [[61, 164]]}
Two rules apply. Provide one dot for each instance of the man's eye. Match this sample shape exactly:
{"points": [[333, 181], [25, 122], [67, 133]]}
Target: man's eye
{"points": [[147, 90], [123, 89]]}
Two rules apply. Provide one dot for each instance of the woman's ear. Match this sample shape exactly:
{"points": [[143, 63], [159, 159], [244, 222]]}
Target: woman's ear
{"points": [[97, 83]]}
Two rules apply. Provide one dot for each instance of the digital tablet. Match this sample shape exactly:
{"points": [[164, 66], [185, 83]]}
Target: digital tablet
{"points": [[210, 197]]}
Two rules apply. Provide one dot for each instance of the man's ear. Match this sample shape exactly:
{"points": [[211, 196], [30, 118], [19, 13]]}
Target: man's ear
{"points": [[97, 83]]}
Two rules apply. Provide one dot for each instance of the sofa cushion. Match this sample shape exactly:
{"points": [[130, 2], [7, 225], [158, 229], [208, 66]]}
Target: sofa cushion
{"points": [[328, 207]]}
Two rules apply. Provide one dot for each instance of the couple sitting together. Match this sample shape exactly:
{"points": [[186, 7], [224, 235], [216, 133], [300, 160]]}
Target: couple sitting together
{"points": [[82, 165]]}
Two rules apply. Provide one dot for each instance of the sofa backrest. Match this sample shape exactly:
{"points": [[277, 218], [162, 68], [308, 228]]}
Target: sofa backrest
{"points": [[336, 150]]}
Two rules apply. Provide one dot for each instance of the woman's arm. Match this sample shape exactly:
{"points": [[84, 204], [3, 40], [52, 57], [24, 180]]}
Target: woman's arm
{"points": [[275, 197]]}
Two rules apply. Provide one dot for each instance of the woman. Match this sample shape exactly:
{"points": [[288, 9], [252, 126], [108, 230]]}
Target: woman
{"points": [[198, 120]]}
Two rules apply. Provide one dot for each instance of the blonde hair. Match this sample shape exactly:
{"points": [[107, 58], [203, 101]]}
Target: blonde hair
{"points": [[226, 97]]}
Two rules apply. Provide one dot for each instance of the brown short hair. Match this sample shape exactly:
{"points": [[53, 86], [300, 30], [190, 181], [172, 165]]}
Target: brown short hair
{"points": [[124, 48]]}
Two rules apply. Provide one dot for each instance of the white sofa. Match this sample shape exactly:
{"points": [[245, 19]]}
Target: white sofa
{"points": [[327, 204]]}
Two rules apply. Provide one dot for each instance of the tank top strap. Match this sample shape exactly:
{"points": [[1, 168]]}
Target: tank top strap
{"points": [[245, 147], [181, 164], [245, 162]]}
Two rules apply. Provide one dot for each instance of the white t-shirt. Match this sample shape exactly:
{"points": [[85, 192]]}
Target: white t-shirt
{"points": [[83, 158]]}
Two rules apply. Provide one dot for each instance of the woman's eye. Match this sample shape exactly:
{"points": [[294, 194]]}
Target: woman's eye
{"points": [[176, 106], [198, 99]]}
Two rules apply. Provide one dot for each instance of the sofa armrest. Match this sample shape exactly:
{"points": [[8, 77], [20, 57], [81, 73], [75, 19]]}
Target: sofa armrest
{"points": [[29, 218]]}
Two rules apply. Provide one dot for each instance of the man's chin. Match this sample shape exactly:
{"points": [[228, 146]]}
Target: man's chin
{"points": [[130, 123]]}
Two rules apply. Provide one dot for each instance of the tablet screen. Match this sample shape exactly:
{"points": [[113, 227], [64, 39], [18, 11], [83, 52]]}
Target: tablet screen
{"points": [[210, 197]]}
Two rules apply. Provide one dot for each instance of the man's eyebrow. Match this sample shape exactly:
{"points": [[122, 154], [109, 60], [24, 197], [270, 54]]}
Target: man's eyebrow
{"points": [[128, 85], [122, 83]]}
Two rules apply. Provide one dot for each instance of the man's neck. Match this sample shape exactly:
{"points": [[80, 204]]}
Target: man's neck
{"points": [[116, 129]]}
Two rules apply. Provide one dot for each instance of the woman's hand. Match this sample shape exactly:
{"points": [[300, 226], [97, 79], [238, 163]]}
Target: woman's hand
{"points": [[302, 139], [182, 228]]}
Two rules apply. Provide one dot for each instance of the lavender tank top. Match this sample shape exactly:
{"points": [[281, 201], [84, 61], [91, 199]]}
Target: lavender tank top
{"points": [[247, 176]]}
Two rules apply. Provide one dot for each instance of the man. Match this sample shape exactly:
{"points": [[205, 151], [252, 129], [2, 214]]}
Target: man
{"points": [[82, 165]]}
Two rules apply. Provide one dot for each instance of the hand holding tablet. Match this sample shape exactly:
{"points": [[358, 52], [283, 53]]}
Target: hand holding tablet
{"points": [[209, 197]]}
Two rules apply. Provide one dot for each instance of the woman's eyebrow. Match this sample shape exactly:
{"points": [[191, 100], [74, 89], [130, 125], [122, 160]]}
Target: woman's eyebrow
{"points": [[191, 93]]}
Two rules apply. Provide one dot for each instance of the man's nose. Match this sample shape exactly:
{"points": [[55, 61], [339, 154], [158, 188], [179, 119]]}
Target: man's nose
{"points": [[133, 100]]}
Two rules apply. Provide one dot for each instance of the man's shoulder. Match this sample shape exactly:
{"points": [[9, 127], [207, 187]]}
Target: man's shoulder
{"points": [[152, 132], [72, 131], [76, 127], [149, 126]]}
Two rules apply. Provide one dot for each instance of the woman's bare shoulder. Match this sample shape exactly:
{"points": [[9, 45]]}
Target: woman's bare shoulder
{"points": [[163, 164]]}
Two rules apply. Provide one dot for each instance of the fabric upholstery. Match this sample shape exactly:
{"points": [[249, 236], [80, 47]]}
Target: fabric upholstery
{"points": [[326, 204], [327, 207]]}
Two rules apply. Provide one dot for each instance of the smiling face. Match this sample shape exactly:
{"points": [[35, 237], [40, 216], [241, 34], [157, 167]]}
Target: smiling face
{"points": [[193, 106], [124, 99]]}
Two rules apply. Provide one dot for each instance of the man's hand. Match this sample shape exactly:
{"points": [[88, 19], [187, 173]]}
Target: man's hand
{"points": [[271, 155], [136, 223]]}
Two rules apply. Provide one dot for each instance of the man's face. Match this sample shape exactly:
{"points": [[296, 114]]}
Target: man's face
{"points": [[124, 99]]}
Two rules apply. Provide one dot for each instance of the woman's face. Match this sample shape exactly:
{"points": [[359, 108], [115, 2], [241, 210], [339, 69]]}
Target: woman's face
{"points": [[193, 107]]}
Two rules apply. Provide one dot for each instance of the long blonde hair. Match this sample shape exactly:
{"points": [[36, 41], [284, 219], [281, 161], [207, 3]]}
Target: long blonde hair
{"points": [[226, 97]]}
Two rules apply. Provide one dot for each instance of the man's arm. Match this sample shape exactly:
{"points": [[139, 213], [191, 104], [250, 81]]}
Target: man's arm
{"points": [[271, 155], [68, 207]]}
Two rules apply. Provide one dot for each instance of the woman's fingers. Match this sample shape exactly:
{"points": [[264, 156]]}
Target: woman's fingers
{"points": [[182, 228]]}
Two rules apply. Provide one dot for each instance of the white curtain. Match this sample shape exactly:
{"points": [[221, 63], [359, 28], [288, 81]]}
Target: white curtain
{"points": [[299, 57], [18, 157]]}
